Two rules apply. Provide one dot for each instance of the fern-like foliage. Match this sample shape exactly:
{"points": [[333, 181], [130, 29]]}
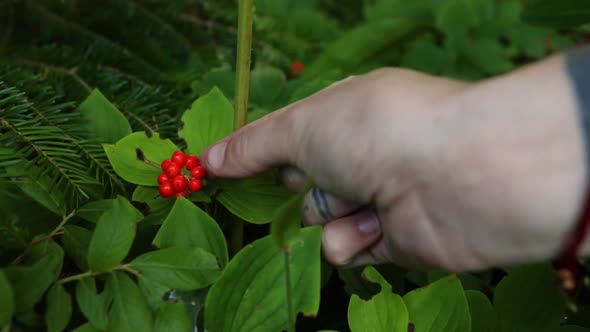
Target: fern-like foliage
{"points": [[40, 149]]}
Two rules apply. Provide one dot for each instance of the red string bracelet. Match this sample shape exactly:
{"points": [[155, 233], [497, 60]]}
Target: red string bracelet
{"points": [[567, 262]]}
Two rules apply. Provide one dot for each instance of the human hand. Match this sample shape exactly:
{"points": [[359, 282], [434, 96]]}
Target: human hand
{"points": [[427, 172]]}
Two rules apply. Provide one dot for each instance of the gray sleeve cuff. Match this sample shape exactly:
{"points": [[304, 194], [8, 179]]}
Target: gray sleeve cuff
{"points": [[578, 67]]}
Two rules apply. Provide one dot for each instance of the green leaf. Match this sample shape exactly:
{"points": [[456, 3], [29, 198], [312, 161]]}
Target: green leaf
{"points": [[129, 311], [102, 121], [178, 267], [385, 311], [308, 89], [483, 316], [286, 222], [557, 14], [113, 235], [355, 284], [92, 211], [154, 292], [7, 302], [251, 295], [456, 17], [527, 300], [189, 226], [59, 309], [222, 79], [43, 265], [254, 199], [210, 118], [359, 44], [75, 242], [439, 307], [137, 158], [93, 306], [86, 328], [266, 84], [173, 317], [488, 55]]}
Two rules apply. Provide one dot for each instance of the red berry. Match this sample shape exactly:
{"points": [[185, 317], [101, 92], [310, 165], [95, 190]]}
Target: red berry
{"points": [[179, 158], [182, 193], [172, 170], [297, 67], [165, 164], [179, 183], [192, 161], [198, 172], [163, 178], [166, 189], [195, 185]]}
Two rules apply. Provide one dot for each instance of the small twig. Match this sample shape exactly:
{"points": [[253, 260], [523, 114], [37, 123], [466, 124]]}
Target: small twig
{"points": [[78, 277], [128, 268], [58, 230]]}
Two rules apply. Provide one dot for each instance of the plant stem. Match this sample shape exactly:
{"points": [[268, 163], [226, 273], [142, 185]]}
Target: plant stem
{"points": [[291, 327], [56, 231], [243, 58], [77, 277]]}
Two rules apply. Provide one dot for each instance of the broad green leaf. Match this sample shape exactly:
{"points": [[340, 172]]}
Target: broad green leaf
{"points": [[113, 235], [359, 44], [251, 294], [75, 242], [483, 316], [180, 268], [43, 190], [557, 14], [31, 318], [86, 328], [528, 300], [354, 283], [456, 17], [173, 317], [129, 311], [7, 302], [488, 56], [222, 79], [154, 292], [286, 222], [151, 196], [385, 311], [93, 306], [254, 199], [189, 226], [137, 158], [42, 267], [424, 55], [266, 84], [439, 307], [59, 309], [210, 118], [92, 211], [101, 120]]}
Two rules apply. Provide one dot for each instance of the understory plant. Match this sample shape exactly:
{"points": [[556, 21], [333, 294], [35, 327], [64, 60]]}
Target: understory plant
{"points": [[99, 98]]}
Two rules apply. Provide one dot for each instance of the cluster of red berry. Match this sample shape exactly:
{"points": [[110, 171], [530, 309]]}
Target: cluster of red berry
{"points": [[173, 182]]}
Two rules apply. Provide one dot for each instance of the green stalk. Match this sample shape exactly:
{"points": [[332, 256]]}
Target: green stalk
{"points": [[291, 326], [243, 58]]}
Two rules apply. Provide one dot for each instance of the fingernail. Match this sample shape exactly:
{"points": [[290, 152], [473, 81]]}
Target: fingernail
{"points": [[216, 156], [368, 223]]}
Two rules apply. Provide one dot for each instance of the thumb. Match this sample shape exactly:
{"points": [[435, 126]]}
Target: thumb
{"points": [[257, 147]]}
